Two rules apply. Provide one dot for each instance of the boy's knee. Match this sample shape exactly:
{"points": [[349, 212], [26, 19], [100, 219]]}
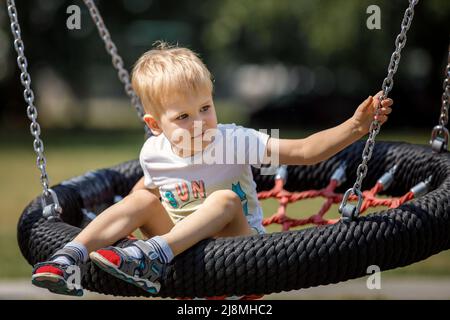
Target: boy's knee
{"points": [[144, 197], [227, 197]]}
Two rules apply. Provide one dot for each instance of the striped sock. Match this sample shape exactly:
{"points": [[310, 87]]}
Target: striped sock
{"points": [[75, 253], [158, 244], [162, 248]]}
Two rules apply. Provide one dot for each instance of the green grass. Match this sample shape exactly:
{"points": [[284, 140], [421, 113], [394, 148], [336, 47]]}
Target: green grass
{"points": [[71, 153]]}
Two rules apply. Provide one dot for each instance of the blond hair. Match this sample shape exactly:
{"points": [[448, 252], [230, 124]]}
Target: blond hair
{"points": [[166, 72]]}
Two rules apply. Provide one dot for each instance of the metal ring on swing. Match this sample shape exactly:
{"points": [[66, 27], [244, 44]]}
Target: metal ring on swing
{"points": [[52, 210], [350, 211], [439, 138]]}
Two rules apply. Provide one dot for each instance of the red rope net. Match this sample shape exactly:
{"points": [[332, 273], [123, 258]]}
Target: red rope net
{"points": [[370, 199]]}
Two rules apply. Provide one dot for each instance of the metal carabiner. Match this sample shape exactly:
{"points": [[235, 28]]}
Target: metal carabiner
{"points": [[439, 143], [349, 211], [52, 210]]}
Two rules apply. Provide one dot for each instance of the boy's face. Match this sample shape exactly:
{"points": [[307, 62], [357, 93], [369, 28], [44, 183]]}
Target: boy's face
{"points": [[184, 120]]}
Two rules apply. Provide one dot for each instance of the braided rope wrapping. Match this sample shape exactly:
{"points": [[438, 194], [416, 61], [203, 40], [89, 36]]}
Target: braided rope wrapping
{"points": [[276, 262]]}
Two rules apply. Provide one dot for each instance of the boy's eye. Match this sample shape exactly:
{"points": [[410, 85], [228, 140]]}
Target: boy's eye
{"points": [[205, 108], [181, 117]]}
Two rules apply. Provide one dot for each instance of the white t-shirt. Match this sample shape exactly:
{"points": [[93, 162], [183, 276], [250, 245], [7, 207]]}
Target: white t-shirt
{"points": [[184, 183]]}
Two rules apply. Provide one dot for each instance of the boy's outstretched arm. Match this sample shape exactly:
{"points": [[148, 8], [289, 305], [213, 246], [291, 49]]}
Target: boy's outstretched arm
{"points": [[324, 144]]}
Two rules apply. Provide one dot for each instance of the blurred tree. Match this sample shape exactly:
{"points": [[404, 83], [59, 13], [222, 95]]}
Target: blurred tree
{"points": [[320, 33]]}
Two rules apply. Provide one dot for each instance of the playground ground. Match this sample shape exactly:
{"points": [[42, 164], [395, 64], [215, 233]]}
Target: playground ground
{"points": [[422, 288]]}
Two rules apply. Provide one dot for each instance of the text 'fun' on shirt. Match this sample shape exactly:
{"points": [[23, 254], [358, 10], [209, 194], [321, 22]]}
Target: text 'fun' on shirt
{"points": [[185, 182]]}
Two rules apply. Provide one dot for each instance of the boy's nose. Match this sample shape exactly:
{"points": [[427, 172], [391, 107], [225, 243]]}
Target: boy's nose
{"points": [[198, 123], [198, 126]]}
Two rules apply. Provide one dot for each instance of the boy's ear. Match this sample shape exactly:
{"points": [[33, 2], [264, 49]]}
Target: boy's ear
{"points": [[152, 124]]}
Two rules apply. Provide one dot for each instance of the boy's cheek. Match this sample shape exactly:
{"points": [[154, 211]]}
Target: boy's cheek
{"points": [[212, 122], [178, 135]]}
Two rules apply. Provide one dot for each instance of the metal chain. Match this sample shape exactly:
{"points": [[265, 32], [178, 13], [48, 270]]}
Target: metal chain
{"points": [[53, 209], [443, 119], [28, 95], [117, 60], [374, 129], [440, 134]]}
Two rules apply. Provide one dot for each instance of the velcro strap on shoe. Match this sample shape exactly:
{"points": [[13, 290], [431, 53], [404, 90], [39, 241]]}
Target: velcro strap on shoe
{"points": [[146, 249], [69, 253], [155, 267]]}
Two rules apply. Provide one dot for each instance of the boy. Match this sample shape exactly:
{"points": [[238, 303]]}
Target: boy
{"points": [[200, 198]]}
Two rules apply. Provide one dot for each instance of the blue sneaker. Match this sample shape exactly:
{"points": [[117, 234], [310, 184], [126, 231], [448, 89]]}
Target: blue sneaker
{"points": [[142, 273]]}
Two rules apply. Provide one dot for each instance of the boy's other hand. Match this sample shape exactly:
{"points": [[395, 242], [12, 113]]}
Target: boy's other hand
{"points": [[365, 113]]}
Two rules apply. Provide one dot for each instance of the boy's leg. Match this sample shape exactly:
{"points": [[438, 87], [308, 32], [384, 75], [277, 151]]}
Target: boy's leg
{"points": [[220, 215], [143, 263], [139, 209]]}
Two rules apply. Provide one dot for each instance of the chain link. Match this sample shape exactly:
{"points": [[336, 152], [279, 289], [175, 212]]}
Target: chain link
{"points": [[28, 95], [440, 134], [117, 60], [387, 85], [443, 119]]}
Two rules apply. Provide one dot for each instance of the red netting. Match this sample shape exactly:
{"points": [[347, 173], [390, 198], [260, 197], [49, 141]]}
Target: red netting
{"points": [[284, 197]]}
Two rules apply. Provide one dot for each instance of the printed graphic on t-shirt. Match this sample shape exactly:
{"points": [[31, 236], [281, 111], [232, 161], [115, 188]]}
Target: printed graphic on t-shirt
{"points": [[238, 190], [179, 195]]}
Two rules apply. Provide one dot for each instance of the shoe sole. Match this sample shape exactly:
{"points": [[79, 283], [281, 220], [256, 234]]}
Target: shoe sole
{"points": [[109, 267], [54, 283]]}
